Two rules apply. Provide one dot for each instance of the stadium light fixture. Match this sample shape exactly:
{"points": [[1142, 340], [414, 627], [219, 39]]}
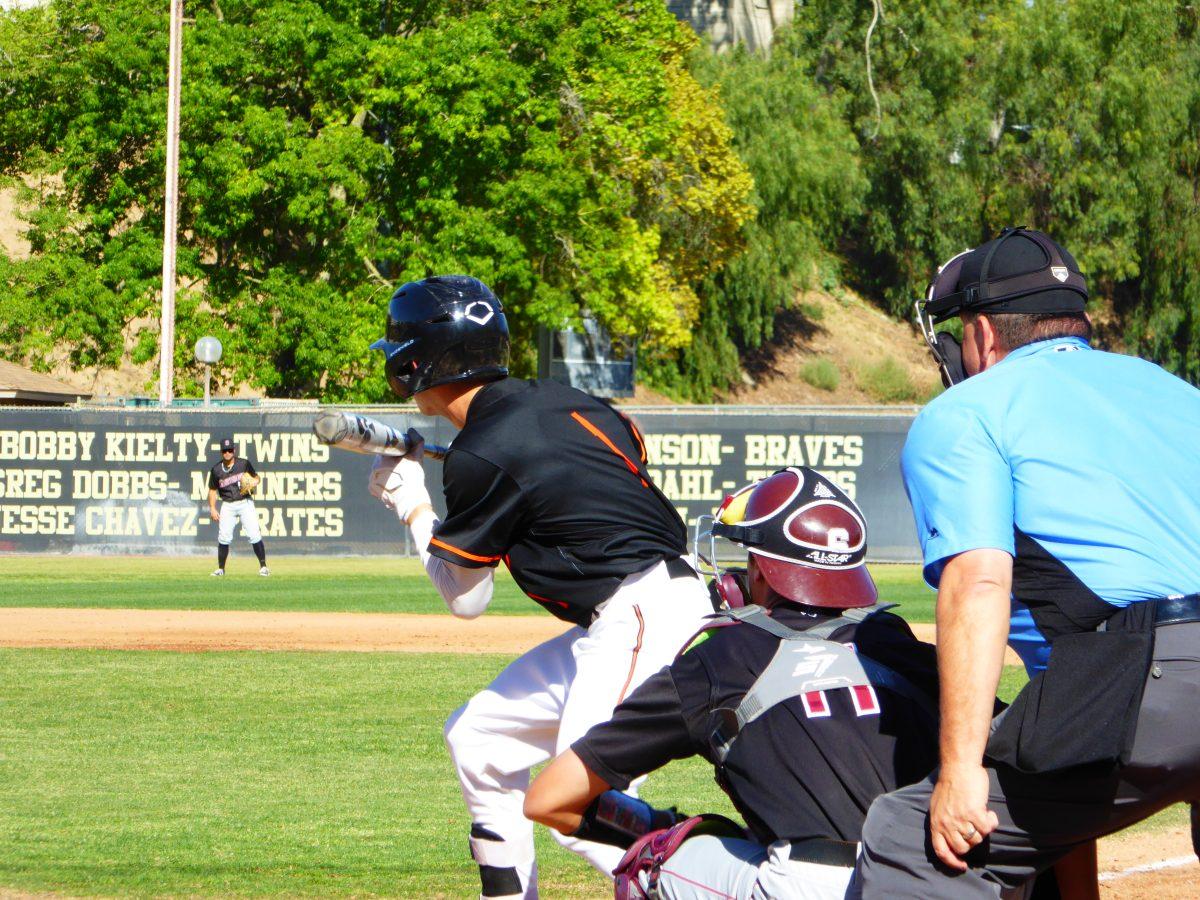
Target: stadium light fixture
{"points": [[208, 351]]}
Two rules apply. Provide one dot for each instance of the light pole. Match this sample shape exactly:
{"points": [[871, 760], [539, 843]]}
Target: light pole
{"points": [[208, 351], [166, 336]]}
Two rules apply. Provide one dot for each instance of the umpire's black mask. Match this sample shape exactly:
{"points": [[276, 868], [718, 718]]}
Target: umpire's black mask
{"points": [[1021, 271]]}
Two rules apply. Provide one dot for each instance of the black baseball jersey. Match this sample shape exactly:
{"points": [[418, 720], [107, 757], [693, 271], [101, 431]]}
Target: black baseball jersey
{"points": [[810, 766], [553, 482], [225, 481]]}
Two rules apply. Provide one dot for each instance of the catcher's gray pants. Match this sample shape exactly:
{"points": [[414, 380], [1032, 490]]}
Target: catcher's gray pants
{"points": [[1042, 817], [708, 868]]}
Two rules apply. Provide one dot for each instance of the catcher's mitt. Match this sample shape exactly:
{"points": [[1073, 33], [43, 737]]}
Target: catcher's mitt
{"points": [[246, 484]]}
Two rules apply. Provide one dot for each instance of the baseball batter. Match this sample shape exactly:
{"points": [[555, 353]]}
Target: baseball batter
{"points": [[553, 483], [233, 480]]}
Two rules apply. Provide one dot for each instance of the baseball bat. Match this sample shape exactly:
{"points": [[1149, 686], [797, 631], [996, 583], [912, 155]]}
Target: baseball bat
{"points": [[361, 434]]}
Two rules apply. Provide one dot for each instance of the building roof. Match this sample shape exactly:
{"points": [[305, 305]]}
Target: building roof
{"points": [[19, 383]]}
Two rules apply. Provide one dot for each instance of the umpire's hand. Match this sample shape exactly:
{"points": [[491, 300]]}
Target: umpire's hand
{"points": [[959, 818], [399, 481]]}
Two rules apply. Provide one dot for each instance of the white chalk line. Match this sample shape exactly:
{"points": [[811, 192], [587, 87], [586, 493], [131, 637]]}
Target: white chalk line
{"points": [[1173, 863]]}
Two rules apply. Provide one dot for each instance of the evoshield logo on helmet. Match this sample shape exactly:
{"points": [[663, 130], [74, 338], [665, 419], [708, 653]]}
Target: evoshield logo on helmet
{"points": [[479, 312], [1059, 272], [441, 330]]}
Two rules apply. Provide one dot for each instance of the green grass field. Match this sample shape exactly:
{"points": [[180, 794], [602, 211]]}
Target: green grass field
{"points": [[356, 584], [256, 774]]}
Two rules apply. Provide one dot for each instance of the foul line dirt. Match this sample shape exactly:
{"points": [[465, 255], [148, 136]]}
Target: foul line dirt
{"points": [[204, 630]]}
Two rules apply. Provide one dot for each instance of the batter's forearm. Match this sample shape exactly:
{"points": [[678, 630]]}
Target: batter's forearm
{"points": [[972, 631], [467, 592], [212, 500]]}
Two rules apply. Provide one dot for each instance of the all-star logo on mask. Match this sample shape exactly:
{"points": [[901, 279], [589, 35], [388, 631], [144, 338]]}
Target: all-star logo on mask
{"points": [[1059, 272]]}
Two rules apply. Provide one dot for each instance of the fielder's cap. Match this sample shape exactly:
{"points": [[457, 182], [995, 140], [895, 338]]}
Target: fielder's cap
{"points": [[807, 536], [1021, 271], [228, 444]]}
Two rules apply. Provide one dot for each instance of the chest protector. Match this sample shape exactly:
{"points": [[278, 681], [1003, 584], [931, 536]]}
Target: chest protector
{"points": [[805, 661]]}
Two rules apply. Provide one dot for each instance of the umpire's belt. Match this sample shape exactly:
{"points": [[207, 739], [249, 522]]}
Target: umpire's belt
{"points": [[1177, 610], [824, 852]]}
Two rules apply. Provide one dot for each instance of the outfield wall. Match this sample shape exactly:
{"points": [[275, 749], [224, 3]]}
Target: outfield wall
{"points": [[133, 481]]}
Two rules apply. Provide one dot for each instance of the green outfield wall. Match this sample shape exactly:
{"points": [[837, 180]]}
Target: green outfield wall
{"points": [[127, 480]]}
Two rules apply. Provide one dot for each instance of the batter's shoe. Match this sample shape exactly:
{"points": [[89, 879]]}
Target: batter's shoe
{"points": [[264, 571], [218, 572]]}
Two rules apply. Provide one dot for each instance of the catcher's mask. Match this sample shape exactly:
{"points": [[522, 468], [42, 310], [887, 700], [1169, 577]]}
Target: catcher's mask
{"points": [[1021, 271], [443, 329], [807, 537]]}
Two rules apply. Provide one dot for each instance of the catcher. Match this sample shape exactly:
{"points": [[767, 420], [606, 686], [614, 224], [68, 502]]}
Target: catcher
{"points": [[233, 480], [810, 704]]}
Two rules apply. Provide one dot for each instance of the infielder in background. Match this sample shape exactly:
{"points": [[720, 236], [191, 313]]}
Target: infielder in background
{"points": [[1065, 478], [233, 480], [554, 483], [800, 763]]}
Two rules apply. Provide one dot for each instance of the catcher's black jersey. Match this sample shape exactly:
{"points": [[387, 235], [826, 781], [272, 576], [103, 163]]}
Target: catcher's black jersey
{"points": [[810, 766], [225, 481], [553, 482]]}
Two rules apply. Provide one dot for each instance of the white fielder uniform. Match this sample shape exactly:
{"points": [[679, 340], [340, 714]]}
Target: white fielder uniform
{"points": [[234, 511], [549, 697]]}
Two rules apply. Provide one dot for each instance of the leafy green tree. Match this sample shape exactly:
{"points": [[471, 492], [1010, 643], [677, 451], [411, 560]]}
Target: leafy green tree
{"points": [[561, 151], [1111, 161], [808, 185]]}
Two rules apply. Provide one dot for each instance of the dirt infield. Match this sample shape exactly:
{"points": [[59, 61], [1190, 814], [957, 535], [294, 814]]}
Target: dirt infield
{"points": [[200, 630]]}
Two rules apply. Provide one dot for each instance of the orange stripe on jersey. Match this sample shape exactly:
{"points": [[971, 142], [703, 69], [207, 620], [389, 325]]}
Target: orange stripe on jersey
{"points": [[561, 603], [463, 553], [611, 446], [637, 434]]}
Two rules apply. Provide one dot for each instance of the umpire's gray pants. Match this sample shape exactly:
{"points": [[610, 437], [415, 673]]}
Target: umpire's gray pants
{"points": [[1042, 817]]}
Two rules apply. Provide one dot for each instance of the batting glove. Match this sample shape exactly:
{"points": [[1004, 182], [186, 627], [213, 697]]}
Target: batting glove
{"points": [[399, 481]]}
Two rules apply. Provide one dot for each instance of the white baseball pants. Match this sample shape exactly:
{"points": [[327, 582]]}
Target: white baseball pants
{"points": [[236, 511], [549, 697]]}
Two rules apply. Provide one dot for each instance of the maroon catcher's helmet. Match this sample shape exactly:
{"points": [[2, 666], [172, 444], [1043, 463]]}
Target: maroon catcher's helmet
{"points": [[807, 536]]}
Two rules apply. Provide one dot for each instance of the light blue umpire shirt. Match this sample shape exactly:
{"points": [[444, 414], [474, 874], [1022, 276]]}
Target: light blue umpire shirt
{"points": [[1094, 456]]}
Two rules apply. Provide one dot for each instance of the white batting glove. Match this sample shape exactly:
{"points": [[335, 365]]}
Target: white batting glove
{"points": [[399, 481]]}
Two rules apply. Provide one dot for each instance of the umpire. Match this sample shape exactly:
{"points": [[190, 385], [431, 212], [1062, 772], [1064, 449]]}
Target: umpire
{"points": [[1064, 478]]}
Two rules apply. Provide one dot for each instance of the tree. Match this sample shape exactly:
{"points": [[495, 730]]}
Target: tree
{"points": [[808, 187], [560, 151]]}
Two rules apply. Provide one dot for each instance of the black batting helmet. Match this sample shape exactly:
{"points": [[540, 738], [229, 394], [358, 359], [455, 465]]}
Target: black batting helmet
{"points": [[443, 329]]}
